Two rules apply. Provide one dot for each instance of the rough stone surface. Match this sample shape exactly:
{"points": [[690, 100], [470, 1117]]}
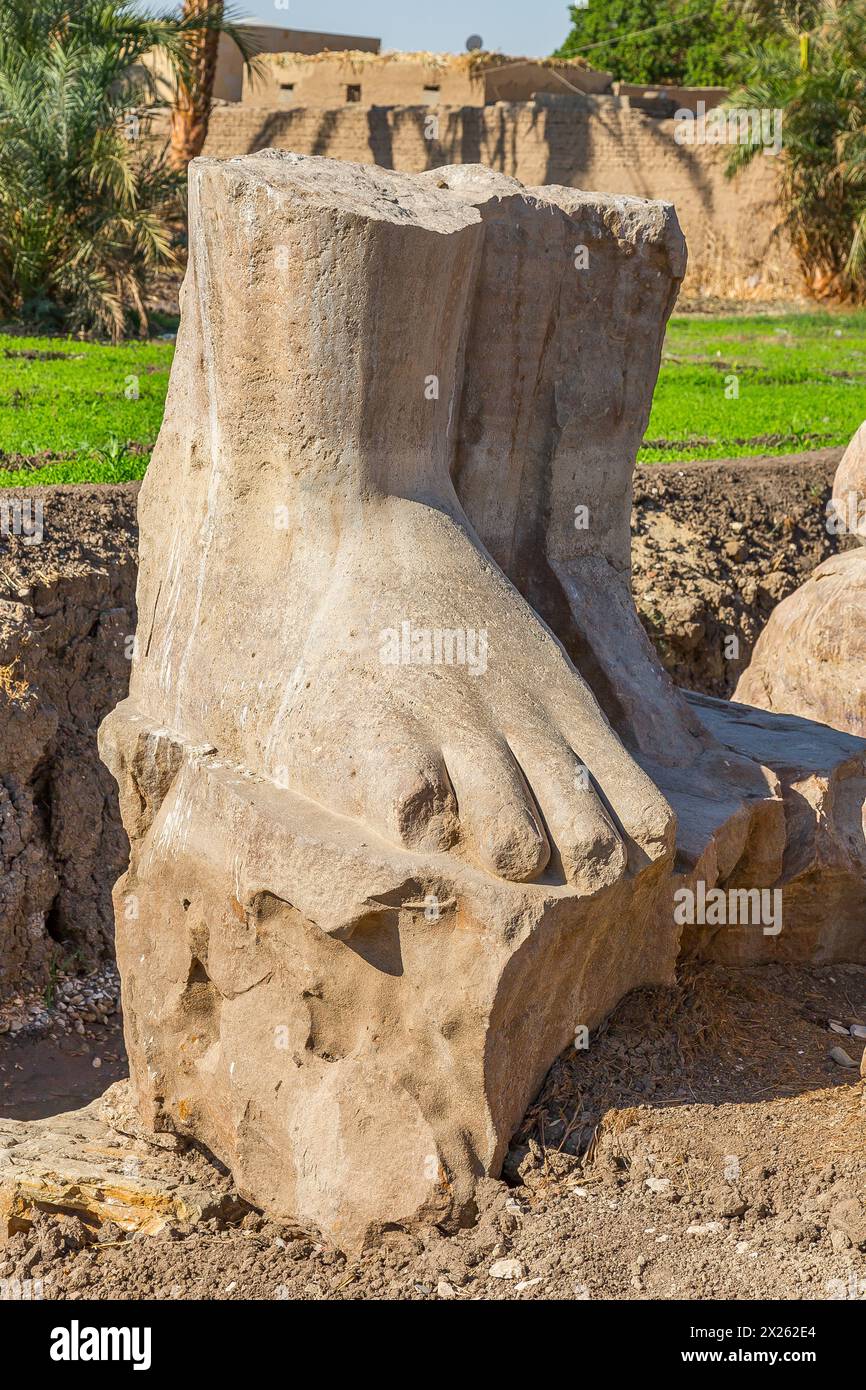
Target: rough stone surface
{"points": [[67, 610], [98, 1164], [304, 894], [811, 657], [849, 489], [379, 878], [821, 780]]}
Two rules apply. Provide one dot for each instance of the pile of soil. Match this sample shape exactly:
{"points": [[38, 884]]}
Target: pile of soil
{"points": [[67, 615], [715, 546], [706, 1145]]}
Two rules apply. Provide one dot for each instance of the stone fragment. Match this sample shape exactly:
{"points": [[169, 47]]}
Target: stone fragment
{"points": [[841, 1057], [821, 787], [76, 1163], [848, 511], [810, 659], [387, 853], [849, 1216]]}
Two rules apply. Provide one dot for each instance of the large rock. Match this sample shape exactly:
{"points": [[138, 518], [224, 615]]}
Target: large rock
{"points": [[811, 657], [393, 843], [387, 852], [848, 510], [819, 779], [98, 1164]]}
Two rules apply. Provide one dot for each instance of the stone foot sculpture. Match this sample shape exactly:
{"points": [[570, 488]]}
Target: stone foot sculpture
{"points": [[305, 395], [388, 853], [394, 844], [810, 659]]}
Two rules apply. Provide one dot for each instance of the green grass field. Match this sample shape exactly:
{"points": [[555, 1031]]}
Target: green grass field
{"points": [[85, 412], [800, 383], [78, 412]]}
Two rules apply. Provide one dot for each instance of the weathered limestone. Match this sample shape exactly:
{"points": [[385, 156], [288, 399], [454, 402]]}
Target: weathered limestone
{"points": [[387, 851], [819, 775], [848, 512], [392, 841], [98, 1164], [811, 657]]}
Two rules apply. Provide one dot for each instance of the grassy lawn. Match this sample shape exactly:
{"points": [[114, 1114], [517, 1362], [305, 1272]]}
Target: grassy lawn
{"points": [[86, 412], [801, 383], [73, 412]]}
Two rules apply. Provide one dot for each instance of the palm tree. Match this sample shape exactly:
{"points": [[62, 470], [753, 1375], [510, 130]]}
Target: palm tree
{"points": [[90, 209], [202, 23], [820, 85], [86, 206]]}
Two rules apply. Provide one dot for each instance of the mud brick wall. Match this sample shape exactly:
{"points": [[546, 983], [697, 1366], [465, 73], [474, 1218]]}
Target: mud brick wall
{"points": [[599, 143]]}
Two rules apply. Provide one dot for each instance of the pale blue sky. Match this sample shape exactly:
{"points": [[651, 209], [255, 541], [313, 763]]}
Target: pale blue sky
{"points": [[533, 27]]}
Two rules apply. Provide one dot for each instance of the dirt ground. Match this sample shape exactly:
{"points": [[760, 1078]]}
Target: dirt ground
{"points": [[704, 1146], [715, 546]]}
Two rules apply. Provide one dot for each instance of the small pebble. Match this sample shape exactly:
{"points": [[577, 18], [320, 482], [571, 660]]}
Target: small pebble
{"points": [[840, 1056]]}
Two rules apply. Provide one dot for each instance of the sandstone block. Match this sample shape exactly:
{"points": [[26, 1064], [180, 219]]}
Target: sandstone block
{"points": [[388, 854]]}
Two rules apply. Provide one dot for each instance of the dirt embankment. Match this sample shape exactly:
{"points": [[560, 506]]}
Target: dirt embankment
{"points": [[716, 546], [67, 614]]}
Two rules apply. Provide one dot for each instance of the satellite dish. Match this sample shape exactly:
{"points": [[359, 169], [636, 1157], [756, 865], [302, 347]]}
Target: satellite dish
{"points": [[473, 42]]}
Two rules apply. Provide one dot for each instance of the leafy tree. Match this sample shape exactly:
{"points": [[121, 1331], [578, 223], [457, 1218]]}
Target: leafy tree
{"points": [[89, 208], [662, 41], [820, 87]]}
